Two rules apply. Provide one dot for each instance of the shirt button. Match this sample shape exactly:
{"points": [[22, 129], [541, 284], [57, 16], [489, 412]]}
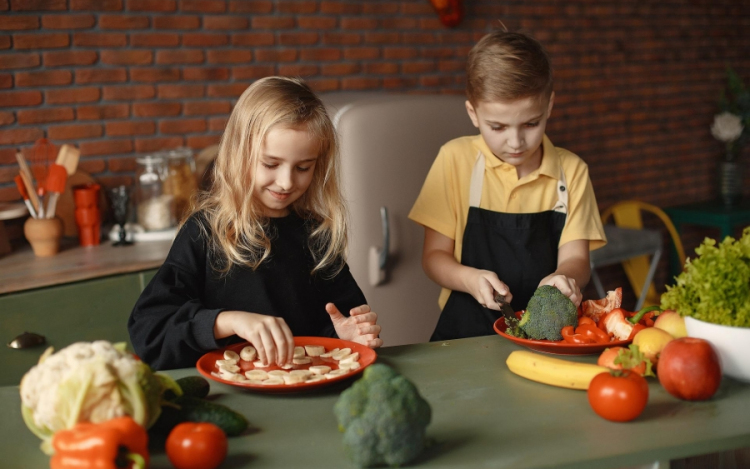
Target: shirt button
{"points": [[513, 196]]}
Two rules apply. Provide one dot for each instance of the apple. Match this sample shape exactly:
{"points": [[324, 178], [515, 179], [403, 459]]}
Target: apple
{"points": [[689, 369], [672, 322], [651, 341]]}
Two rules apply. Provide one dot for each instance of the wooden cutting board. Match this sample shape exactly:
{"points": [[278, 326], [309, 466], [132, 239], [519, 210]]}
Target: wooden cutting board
{"points": [[66, 208]]}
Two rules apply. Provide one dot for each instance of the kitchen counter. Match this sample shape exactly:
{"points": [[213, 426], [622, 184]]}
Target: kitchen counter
{"points": [[21, 270], [82, 293], [483, 416]]}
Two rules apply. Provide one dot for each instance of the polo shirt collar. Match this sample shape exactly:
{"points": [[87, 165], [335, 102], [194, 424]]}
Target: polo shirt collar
{"points": [[550, 161]]}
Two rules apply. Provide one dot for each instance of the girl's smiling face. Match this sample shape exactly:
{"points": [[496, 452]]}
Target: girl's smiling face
{"points": [[285, 169], [513, 130]]}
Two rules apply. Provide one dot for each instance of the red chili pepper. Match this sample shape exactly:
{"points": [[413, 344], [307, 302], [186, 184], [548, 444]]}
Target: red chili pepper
{"points": [[572, 338], [119, 443]]}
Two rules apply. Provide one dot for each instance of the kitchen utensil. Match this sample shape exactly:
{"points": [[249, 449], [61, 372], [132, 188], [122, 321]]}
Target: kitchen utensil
{"points": [[43, 153], [505, 307], [44, 235], [24, 165], [87, 214], [32, 195], [66, 208], [55, 184], [68, 157], [24, 194]]}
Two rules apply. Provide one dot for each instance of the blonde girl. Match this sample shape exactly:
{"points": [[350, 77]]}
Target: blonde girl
{"points": [[261, 257]]}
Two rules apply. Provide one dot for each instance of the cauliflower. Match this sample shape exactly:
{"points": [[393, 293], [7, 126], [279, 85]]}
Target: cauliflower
{"points": [[90, 382]]}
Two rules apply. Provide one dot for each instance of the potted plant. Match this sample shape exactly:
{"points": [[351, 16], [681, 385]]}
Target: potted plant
{"points": [[713, 294], [731, 126]]}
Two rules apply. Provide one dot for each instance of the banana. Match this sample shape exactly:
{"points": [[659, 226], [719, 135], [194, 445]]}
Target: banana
{"points": [[552, 371]]}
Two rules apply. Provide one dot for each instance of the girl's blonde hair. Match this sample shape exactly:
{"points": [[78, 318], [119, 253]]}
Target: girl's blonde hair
{"points": [[505, 66], [239, 230]]}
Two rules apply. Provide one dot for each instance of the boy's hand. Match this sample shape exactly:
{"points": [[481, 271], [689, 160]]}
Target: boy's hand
{"points": [[567, 285], [270, 335], [483, 284], [361, 326]]}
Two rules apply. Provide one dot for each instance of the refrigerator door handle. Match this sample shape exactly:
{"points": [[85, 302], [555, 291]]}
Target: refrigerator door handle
{"points": [[379, 257]]}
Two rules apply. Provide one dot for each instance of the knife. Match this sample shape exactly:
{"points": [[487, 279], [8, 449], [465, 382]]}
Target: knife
{"points": [[505, 307]]}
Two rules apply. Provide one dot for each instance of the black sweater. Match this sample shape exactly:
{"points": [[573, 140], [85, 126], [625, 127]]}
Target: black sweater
{"points": [[172, 323]]}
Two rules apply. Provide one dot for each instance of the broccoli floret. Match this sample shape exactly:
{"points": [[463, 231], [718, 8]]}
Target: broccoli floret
{"points": [[383, 418], [547, 313], [512, 328]]}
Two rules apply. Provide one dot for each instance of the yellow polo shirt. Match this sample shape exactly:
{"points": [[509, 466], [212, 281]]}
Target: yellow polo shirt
{"points": [[443, 202]]}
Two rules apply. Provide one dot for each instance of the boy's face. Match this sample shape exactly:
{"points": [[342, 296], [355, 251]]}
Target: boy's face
{"points": [[285, 169], [513, 130]]}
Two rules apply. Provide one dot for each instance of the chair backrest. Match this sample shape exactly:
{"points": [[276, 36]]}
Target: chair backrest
{"points": [[627, 214]]}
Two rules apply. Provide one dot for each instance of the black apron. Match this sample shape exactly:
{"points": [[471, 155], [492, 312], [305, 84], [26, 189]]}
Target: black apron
{"points": [[521, 248]]}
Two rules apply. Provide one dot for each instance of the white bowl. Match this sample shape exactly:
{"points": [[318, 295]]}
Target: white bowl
{"points": [[731, 343]]}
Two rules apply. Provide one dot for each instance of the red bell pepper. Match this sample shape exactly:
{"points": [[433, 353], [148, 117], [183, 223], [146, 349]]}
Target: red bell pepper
{"points": [[593, 333], [571, 337], [120, 443], [615, 323]]}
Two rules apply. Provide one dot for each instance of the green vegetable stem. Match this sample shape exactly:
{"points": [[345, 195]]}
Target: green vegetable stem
{"points": [[638, 316]]}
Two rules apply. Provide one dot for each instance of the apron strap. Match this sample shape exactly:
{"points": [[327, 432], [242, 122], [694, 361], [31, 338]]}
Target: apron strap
{"points": [[477, 181]]}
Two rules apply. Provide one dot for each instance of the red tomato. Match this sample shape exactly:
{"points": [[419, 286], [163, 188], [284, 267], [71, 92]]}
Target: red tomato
{"points": [[619, 396], [199, 445]]}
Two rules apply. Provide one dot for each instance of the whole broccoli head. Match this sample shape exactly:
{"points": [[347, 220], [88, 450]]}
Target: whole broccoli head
{"points": [[383, 418], [548, 311]]}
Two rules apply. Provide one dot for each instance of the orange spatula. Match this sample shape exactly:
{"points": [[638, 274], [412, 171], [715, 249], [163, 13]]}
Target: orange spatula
{"points": [[25, 194], [57, 175]]}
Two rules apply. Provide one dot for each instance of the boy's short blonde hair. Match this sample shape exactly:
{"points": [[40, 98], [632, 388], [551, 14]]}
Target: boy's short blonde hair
{"points": [[505, 66]]}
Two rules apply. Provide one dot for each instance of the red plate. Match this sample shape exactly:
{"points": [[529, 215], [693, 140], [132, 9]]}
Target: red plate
{"points": [[207, 364], [559, 347]]}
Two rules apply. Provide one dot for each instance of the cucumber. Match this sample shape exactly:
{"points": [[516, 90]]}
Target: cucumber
{"points": [[194, 386], [193, 409]]}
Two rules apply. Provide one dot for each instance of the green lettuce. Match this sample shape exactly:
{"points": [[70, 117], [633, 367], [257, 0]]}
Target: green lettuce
{"points": [[715, 287]]}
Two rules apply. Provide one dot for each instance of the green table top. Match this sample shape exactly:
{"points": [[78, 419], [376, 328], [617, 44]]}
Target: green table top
{"points": [[483, 416]]}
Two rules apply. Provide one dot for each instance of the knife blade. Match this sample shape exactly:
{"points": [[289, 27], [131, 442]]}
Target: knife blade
{"points": [[505, 307]]}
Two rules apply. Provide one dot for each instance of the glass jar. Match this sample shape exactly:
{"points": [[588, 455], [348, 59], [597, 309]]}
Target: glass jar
{"points": [[180, 182], [154, 206]]}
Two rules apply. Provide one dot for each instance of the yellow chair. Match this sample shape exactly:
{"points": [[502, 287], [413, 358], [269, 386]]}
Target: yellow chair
{"points": [[627, 214]]}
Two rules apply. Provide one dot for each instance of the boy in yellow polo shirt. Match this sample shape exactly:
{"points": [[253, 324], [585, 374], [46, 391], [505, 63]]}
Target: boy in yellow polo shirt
{"points": [[505, 211]]}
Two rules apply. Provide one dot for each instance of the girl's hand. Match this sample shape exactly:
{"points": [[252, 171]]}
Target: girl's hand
{"points": [[361, 326], [482, 285], [270, 335], [567, 285]]}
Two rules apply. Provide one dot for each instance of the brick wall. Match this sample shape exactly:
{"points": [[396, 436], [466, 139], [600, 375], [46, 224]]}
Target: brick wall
{"points": [[637, 81]]}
